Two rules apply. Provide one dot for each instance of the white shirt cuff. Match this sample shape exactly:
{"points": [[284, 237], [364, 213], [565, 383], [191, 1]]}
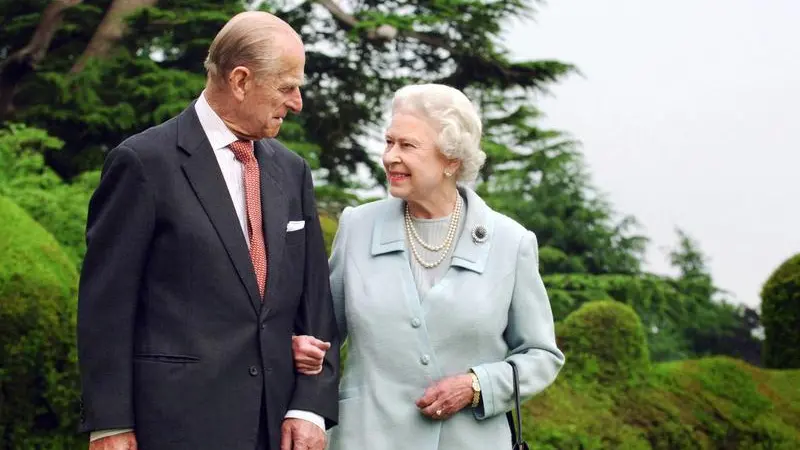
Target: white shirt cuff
{"points": [[306, 415], [95, 435]]}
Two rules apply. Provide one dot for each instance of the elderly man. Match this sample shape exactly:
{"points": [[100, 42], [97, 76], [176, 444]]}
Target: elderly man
{"points": [[205, 256]]}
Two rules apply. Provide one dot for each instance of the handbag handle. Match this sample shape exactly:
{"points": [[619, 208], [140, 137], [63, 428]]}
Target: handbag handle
{"points": [[516, 431]]}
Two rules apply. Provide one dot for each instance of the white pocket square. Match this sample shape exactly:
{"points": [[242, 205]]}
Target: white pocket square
{"points": [[295, 225]]}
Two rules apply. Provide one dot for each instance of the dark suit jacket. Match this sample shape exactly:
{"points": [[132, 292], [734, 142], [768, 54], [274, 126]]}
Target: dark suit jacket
{"points": [[173, 339]]}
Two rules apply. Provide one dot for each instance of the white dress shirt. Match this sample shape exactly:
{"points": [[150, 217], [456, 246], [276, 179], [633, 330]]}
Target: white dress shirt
{"points": [[220, 138]]}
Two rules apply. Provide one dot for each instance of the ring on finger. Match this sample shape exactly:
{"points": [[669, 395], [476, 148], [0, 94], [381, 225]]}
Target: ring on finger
{"points": [[438, 412]]}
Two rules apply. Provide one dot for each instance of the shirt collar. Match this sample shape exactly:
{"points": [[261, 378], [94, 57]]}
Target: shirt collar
{"points": [[218, 134]]}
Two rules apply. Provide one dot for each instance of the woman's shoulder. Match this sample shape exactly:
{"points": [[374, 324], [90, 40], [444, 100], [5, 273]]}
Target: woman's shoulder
{"points": [[503, 225], [511, 231]]}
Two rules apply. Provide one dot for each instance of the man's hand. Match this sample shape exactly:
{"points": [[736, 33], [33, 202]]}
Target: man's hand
{"points": [[446, 397], [299, 434], [122, 441], [309, 353]]}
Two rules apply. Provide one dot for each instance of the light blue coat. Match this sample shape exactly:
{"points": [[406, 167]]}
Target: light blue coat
{"points": [[490, 306]]}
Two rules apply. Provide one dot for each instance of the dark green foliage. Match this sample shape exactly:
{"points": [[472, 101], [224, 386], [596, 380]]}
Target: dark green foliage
{"points": [[660, 306], [38, 375], [604, 341], [684, 316], [780, 313], [712, 325], [58, 206]]}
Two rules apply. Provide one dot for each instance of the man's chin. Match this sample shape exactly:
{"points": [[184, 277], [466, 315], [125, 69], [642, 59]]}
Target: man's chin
{"points": [[271, 132]]}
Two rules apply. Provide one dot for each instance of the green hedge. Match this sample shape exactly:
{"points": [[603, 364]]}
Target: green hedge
{"points": [[38, 376], [780, 315], [604, 341], [712, 403], [25, 179]]}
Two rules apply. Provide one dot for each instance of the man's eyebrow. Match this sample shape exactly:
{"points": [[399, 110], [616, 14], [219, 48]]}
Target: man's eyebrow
{"points": [[296, 81]]}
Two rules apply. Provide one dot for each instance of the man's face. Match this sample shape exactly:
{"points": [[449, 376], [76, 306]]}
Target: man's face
{"points": [[267, 100]]}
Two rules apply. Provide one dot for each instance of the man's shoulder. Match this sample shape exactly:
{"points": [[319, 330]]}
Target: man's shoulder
{"points": [[291, 164], [151, 142], [282, 152]]}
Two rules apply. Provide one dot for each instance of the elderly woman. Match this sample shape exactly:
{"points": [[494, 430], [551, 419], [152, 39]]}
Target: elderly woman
{"points": [[435, 291]]}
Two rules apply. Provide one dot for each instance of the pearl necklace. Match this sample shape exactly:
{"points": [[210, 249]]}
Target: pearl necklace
{"points": [[446, 244]]}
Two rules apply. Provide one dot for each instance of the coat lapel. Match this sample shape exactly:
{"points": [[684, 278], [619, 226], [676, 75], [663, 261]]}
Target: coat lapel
{"points": [[468, 253], [389, 239], [388, 232], [204, 175], [274, 211]]}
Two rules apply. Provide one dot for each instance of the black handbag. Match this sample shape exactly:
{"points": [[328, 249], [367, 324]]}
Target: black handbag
{"points": [[517, 443]]}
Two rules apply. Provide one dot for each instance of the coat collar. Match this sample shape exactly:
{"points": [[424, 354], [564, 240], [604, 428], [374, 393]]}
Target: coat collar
{"points": [[388, 234]]}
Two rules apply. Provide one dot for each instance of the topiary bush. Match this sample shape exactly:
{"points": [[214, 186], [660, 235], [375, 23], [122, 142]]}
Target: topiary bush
{"points": [[38, 359], [604, 341], [780, 315], [59, 206]]}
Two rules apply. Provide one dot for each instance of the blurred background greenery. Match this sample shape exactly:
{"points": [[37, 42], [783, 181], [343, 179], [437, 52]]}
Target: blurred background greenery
{"points": [[653, 361]]}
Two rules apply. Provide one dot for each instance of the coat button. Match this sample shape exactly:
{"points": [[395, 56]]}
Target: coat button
{"points": [[253, 370], [263, 326], [415, 322], [425, 359]]}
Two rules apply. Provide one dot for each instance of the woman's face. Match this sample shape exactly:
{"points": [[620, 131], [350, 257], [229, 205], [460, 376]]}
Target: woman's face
{"points": [[413, 163]]}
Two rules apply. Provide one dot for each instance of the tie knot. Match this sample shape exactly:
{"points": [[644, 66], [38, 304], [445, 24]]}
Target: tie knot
{"points": [[242, 150]]}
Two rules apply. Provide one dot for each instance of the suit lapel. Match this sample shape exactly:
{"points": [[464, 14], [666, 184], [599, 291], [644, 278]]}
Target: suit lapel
{"points": [[274, 211], [204, 175]]}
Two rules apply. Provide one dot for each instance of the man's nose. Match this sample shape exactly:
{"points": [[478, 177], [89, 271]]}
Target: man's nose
{"points": [[295, 103]]}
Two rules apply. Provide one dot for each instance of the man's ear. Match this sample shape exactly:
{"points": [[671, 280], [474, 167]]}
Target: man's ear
{"points": [[238, 79]]}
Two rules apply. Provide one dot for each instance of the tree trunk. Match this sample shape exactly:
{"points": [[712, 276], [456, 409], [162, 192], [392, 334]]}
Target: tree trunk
{"points": [[24, 61], [110, 30]]}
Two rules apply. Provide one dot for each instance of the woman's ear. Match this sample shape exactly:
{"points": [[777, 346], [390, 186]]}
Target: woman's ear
{"points": [[452, 167]]}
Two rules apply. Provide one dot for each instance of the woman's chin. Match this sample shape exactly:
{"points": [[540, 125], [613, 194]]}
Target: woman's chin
{"points": [[398, 191]]}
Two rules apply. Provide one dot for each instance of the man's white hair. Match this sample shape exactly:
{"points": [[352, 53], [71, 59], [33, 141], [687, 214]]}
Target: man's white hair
{"points": [[454, 116]]}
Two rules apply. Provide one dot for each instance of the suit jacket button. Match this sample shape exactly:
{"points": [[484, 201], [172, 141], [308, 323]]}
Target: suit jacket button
{"points": [[425, 360], [253, 370], [415, 322]]}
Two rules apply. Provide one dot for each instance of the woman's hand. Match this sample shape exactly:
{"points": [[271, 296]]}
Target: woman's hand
{"points": [[446, 397], [308, 354]]}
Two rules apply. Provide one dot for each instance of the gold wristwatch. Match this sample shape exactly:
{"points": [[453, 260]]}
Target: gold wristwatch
{"points": [[476, 389]]}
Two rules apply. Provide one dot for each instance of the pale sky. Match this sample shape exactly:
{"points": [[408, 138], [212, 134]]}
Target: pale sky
{"points": [[688, 115]]}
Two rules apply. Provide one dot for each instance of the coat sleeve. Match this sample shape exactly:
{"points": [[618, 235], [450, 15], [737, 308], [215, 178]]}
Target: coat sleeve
{"points": [[119, 229], [530, 336], [337, 264], [317, 393]]}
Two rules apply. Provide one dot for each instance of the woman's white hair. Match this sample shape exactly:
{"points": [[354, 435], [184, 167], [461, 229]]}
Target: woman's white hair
{"points": [[453, 116]]}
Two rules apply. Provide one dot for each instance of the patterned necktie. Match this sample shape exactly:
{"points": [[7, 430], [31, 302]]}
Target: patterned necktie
{"points": [[243, 150]]}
